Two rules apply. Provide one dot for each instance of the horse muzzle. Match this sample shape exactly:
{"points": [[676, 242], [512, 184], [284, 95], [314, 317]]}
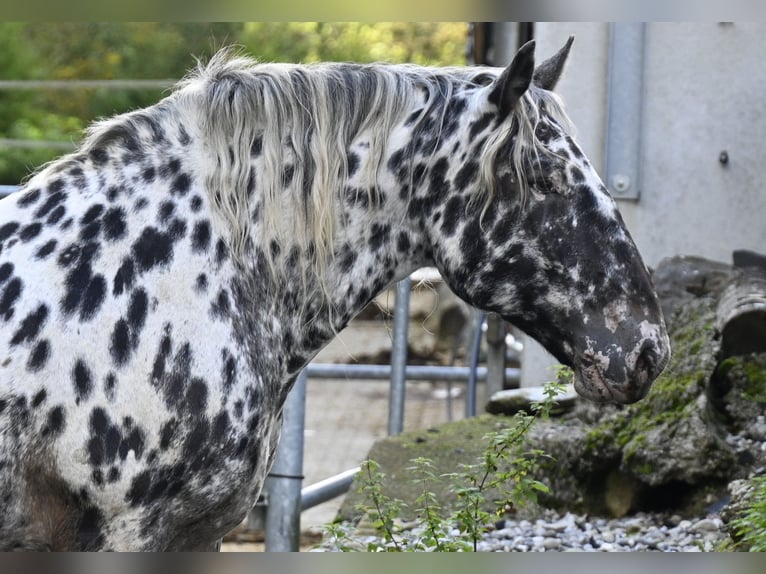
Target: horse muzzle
{"points": [[607, 373]]}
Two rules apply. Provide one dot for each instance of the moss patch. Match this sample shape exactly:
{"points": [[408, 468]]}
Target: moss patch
{"points": [[449, 446]]}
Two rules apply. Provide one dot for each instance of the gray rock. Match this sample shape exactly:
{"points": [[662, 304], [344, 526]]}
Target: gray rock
{"points": [[511, 401]]}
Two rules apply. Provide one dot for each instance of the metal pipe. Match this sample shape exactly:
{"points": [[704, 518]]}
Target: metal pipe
{"points": [[283, 484], [327, 489], [412, 372], [473, 366], [8, 189], [495, 354], [624, 106], [399, 357]]}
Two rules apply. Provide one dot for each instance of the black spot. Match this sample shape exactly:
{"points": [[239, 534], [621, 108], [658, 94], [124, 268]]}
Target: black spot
{"points": [[96, 451], [453, 213], [220, 307], [167, 432], [180, 185], [137, 309], [6, 269], [39, 356], [201, 236], [220, 427], [83, 380], [55, 422], [229, 370], [257, 147], [99, 156], [473, 244], [577, 175], [120, 342], [480, 125], [90, 231], [196, 203], [195, 441], [221, 251], [200, 284], [140, 204], [353, 163], [403, 243], [31, 326], [152, 248], [28, 197], [56, 215], [39, 398], [93, 297], [166, 210], [77, 253], [378, 235], [110, 381], [114, 223], [77, 281], [45, 249], [124, 277], [466, 174], [170, 168], [347, 260], [52, 201], [55, 186], [183, 136], [177, 229], [99, 421], [113, 192], [11, 293], [196, 397], [148, 174], [133, 441], [139, 488], [93, 213], [7, 230]]}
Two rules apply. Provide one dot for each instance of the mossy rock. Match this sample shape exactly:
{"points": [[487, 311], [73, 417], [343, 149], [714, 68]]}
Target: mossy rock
{"points": [[739, 390], [447, 447], [669, 435]]}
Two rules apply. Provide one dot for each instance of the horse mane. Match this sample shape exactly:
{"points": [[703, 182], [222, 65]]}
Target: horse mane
{"points": [[315, 111]]}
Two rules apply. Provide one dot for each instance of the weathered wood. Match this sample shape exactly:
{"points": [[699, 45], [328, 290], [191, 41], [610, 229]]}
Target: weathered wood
{"points": [[741, 314]]}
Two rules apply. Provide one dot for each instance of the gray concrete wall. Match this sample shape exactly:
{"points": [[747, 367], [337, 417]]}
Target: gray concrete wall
{"points": [[704, 93]]}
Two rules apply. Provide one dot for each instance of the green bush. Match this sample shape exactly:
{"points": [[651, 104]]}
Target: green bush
{"points": [[750, 526], [506, 465]]}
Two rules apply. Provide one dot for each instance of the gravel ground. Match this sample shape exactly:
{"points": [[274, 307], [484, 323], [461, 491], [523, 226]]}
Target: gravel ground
{"points": [[572, 533]]}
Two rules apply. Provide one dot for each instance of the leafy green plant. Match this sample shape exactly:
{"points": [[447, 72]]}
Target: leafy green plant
{"points": [[750, 526], [506, 466]]}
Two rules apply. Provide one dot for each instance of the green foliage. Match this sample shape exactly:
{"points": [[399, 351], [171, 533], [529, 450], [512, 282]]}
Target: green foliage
{"points": [[506, 465], [160, 50], [428, 43], [750, 526]]}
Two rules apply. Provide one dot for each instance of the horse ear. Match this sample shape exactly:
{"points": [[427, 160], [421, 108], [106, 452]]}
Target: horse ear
{"points": [[508, 88], [548, 73]]}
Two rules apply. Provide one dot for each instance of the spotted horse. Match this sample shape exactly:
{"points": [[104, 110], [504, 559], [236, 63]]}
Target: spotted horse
{"points": [[162, 286]]}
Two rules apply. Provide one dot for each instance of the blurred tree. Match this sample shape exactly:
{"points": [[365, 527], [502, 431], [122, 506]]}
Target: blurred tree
{"points": [[152, 50], [428, 43]]}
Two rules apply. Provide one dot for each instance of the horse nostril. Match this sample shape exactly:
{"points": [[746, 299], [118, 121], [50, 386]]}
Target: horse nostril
{"points": [[647, 359]]}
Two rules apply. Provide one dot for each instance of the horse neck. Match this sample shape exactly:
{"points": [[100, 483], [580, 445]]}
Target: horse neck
{"points": [[379, 220]]}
